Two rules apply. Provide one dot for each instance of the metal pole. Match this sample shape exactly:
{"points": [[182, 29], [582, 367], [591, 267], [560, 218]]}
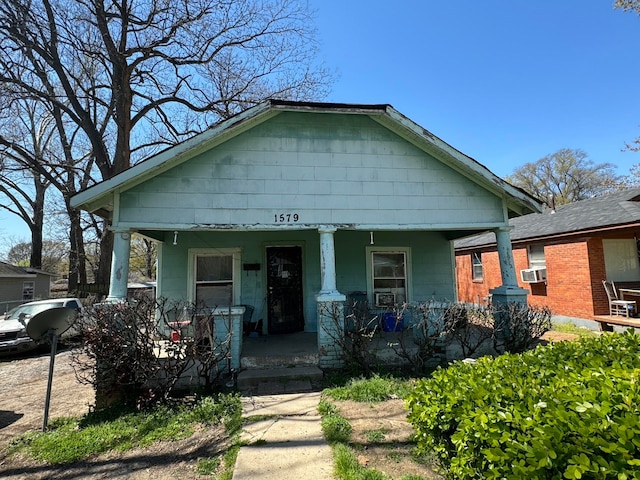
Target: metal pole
{"points": [[54, 348]]}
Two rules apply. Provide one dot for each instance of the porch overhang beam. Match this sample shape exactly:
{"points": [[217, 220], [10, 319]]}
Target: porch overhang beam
{"points": [[186, 227]]}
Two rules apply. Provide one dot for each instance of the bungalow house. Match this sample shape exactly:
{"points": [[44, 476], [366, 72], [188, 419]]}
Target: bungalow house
{"points": [[290, 207], [22, 284], [561, 256]]}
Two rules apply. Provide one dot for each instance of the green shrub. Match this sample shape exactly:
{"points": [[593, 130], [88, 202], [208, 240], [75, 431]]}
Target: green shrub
{"points": [[568, 410], [336, 428], [374, 389]]}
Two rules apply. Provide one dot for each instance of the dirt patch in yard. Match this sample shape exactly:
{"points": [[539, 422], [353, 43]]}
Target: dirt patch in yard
{"points": [[24, 387], [381, 438]]}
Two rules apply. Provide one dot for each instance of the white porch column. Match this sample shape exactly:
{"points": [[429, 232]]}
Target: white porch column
{"points": [[327, 260], [330, 305], [119, 265]]}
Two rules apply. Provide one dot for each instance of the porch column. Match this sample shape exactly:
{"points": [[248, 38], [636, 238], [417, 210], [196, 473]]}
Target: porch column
{"points": [[509, 292], [119, 265], [330, 304], [505, 254], [327, 260]]}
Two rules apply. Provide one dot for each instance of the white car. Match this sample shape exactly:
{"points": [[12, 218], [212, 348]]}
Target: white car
{"points": [[13, 325]]}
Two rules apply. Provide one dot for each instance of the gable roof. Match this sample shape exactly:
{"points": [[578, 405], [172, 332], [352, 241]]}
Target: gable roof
{"points": [[12, 271], [99, 197], [613, 211]]}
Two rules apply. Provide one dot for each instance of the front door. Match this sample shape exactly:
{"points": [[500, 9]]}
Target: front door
{"points": [[284, 289]]}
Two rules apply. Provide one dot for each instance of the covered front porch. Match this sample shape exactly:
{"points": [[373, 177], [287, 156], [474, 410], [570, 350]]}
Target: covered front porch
{"points": [[298, 279], [290, 207]]}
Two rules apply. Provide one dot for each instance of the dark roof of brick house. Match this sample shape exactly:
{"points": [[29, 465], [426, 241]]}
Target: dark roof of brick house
{"points": [[607, 212]]}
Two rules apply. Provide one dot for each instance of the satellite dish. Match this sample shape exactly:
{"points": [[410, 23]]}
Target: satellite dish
{"points": [[50, 323], [54, 321]]}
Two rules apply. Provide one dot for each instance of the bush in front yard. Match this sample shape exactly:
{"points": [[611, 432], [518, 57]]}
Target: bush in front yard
{"points": [[568, 410], [134, 353]]}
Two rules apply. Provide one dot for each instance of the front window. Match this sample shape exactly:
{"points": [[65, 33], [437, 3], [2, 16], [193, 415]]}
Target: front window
{"points": [[389, 277], [216, 277], [214, 280], [476, 266]]}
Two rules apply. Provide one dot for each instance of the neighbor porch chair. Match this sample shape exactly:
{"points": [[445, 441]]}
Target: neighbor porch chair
{"points": [[618, 306]]}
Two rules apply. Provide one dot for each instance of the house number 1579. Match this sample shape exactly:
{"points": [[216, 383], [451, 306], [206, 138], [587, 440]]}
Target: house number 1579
{"points": [[286, 217]]}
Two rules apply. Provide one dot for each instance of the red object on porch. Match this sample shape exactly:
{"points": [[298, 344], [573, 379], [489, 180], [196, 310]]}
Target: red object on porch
{"points": [[176, 330]]}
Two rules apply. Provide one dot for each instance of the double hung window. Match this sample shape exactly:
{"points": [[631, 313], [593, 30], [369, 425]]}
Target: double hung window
{"points": [[388, 276], [476, 266], [216, 277]]}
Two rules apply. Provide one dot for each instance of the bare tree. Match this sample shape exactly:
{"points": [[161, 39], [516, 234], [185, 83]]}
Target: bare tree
{"points": [[628, 5], [565, 176], [36, 144], [26, 139], [123, 78], [143, 258], [53, 255]]}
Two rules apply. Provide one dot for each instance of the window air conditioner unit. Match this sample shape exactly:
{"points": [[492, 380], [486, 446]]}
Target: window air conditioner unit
{"points": [[533, 275], [385, 299]]}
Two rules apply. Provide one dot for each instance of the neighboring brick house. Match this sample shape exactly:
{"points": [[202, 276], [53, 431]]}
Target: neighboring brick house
{"points": [[567, 254]]}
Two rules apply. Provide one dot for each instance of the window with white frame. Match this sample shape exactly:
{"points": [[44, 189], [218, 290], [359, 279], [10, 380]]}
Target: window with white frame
{"points": [[28, 290], [388, 275], [536, 256], [476, 266], [216, 277], [621, 259]]}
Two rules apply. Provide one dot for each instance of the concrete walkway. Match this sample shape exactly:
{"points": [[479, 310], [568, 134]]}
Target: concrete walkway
{"points": [[287, 443]]}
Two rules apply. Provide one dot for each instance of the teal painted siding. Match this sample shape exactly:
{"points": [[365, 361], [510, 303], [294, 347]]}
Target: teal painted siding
{"points": [[431, 269], [175, 261], [329, 169], [432, 273]]}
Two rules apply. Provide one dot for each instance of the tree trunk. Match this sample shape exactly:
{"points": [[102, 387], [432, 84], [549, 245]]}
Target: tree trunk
{"points": [[103, 275], [37, 223], [77, 264]]}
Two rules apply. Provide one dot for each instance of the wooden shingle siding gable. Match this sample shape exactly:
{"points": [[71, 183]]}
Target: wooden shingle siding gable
{"points": [[337, 169]]}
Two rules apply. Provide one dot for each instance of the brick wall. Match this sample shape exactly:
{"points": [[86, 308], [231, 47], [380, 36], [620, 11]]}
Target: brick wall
{"points": [[574, 274]]}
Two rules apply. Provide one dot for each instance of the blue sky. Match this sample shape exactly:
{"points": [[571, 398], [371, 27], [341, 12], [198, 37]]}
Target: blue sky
{"points": [[505, 82]]}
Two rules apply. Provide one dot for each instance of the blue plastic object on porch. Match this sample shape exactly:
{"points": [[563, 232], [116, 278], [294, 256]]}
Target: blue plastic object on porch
{"points": [[391, 323]]}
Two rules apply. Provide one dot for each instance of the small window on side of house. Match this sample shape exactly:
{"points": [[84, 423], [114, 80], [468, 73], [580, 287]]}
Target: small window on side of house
{"points": [[476, 267], [536, 256], [28, 290]]}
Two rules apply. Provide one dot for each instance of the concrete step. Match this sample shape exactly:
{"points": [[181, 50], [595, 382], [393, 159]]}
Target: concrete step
{"points": [[274, 361], [278, 380]]}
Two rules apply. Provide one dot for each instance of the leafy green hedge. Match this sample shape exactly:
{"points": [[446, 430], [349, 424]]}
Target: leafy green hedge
{"points": [[567, 410]]}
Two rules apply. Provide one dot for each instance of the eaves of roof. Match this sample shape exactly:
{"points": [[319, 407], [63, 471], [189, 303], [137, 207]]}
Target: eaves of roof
{"points": [[606, 213], [12, 271], [99, 198]]}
